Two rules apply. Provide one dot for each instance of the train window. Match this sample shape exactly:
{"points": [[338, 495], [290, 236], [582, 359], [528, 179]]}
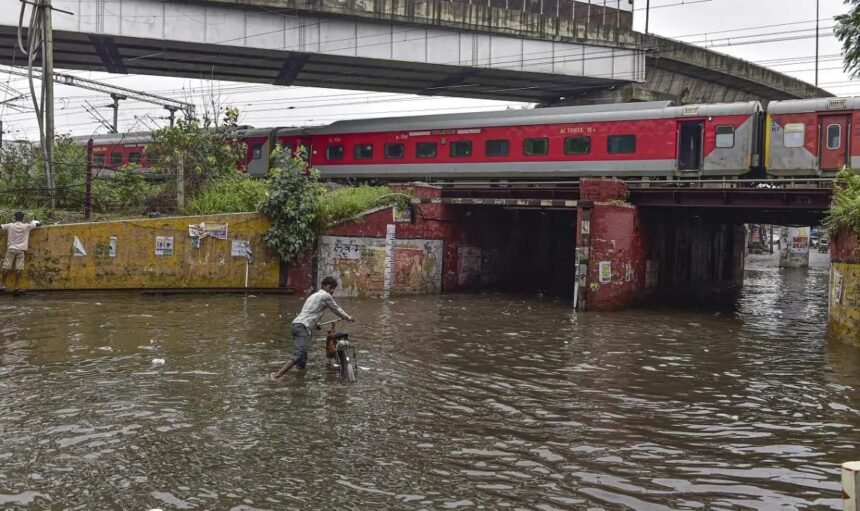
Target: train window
{"points": [[834, 136], [425, 149], [116, 158], [621, 144], [725, 136], [363, 151], [334, 152], [577, 145], [394, 151], [536, 146], [795, 134], [134, 158], [98, 160], [496, 148], [461, 149], [256, 151]]}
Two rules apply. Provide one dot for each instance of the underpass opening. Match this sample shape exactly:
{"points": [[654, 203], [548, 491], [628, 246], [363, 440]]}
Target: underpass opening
{"points": [[519, 250]]}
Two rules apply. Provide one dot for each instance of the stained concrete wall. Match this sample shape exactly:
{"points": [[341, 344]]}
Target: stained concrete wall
{"points": [[844, 293], [52, 265]]}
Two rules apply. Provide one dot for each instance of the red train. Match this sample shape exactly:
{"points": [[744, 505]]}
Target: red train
{"points": [[807, 138]]}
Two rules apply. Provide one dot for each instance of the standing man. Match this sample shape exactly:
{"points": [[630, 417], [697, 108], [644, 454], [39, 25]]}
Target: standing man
{"points": [[17, 243], [315, 306]]}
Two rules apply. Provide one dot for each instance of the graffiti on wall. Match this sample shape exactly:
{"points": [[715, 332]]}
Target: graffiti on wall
{"points": [[359, 265]]}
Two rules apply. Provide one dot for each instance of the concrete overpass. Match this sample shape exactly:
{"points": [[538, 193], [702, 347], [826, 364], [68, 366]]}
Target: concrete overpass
{"points": [[545, 51]]}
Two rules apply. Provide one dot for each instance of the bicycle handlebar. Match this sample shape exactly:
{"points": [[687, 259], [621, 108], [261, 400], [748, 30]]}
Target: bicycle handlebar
{"points": [[320, 325]]}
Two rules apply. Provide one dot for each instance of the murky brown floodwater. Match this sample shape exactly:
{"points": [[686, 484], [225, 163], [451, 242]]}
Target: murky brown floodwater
{"points": [[474, 402]]}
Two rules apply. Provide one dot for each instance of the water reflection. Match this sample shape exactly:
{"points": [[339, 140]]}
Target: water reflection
{"points": [[463, 402]]}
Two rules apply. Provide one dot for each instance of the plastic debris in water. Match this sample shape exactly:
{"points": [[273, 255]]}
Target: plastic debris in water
{"points": [[158, 361]]}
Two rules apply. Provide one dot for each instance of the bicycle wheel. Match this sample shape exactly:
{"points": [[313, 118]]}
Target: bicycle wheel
{"points": [[347, 367]]}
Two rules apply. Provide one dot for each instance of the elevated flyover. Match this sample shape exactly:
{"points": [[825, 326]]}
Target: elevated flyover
{"points": [[544, 51]]}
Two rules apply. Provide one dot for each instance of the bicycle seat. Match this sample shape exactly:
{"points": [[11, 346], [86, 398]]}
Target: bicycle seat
{"points": [[338, 336]]}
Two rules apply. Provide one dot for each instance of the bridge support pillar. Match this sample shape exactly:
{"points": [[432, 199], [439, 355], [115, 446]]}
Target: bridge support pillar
{"points": [[610, 251]]}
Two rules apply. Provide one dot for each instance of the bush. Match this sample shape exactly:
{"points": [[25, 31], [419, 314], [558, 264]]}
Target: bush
{"points": [[127, 190], [844, 211], [234, 193], [301, 209]]}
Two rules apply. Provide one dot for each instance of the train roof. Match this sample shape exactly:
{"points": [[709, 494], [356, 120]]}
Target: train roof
{"points": [[549, 115], [140, 137], [797, 106]]}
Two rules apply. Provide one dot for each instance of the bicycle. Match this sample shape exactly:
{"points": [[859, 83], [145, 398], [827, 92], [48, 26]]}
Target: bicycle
{"points": [[339, 348]]}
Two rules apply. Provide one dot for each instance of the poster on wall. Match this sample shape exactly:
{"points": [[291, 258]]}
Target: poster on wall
{"points": [[837, 287], [78, 248], [469, 267], [605, 272], [240, 248], [402, 215], [363, 265], [204, 230], [164, 245], [112, 247]]}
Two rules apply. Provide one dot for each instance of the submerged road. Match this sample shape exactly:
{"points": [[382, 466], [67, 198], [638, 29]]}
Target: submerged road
{"points": [[463, 402]]}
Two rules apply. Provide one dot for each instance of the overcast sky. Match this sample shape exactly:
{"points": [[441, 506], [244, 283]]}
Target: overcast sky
{"points": [[776, 33]]}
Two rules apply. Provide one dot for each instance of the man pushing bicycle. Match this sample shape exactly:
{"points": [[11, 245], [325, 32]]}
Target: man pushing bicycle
{"points": [[313, 309]]}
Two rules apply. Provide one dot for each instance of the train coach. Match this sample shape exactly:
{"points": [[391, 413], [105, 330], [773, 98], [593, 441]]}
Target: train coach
{"points": [[626, 140], [798, 138]]}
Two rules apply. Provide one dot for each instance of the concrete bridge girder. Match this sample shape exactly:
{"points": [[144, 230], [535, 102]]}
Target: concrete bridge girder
{"points": [[246, 43]]}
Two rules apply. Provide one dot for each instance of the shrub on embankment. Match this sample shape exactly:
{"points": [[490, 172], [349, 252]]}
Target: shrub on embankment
{"points": [[301, 208], [844, 213]]}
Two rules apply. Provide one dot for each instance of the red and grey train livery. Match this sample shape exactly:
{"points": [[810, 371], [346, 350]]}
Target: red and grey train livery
{"points": [[807, 138]]}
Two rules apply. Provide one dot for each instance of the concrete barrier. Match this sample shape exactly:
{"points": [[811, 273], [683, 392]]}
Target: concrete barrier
{"points": [[148, 253]]}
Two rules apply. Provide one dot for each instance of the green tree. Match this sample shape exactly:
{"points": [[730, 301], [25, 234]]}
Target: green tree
{"points": [[206, 150], [848, 32], [292, 203]]}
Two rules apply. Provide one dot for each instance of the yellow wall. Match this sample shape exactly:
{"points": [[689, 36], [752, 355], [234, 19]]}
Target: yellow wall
{"points": [[844, 317], [51, 265]]}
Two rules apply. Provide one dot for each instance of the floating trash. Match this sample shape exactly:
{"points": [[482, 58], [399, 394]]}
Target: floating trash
{"points": [[158, 361]]}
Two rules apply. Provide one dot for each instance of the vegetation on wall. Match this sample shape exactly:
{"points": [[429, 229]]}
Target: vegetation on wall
{"points": [[844, 211], [301, 208]]}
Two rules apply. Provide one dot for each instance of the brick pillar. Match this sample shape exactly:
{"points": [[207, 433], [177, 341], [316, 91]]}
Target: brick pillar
{"points": [[435, 221], [610, 250]]}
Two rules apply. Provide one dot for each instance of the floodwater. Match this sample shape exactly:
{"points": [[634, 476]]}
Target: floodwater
{"points": [[463, 402]]}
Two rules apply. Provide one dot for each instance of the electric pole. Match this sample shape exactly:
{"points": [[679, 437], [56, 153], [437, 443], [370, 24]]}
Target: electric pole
{"points": [[48, 102], [816, 41], [647, 14], [115, 105]]}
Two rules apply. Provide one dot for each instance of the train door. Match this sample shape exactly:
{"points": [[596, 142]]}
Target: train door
{"points": [[834, 141], [690, 137]]}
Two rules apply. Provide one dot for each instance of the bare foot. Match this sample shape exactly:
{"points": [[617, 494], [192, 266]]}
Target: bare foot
{"points": [[274, 377]]}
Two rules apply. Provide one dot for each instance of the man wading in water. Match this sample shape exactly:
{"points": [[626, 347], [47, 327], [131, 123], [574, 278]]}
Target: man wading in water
{"points": [[315, 306]]}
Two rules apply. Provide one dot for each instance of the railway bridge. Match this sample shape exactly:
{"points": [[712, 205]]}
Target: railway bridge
{"points": [[541, 51], [615, 244]]}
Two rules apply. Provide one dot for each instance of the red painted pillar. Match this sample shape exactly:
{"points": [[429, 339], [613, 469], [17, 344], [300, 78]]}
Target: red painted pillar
{"points": [[610, 250]]}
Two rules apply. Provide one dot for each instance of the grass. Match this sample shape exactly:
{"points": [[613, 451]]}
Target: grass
{"points": [[341, 204], [234, 194]]}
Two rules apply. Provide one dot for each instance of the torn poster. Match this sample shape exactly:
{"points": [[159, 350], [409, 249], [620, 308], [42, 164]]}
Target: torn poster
{"points": [[112, 247], [78, 248], [203, 230]]}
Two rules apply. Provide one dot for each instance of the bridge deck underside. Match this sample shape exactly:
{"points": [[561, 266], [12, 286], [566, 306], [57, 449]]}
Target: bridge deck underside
{"points": [[785, 206], [248, 44]]}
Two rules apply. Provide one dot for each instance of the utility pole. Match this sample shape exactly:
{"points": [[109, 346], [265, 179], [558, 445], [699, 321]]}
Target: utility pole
{"points": [[172, 110], [48, 105], [88, 193], [647, 14], [115, 105], [816, 42], [180, 185]]}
